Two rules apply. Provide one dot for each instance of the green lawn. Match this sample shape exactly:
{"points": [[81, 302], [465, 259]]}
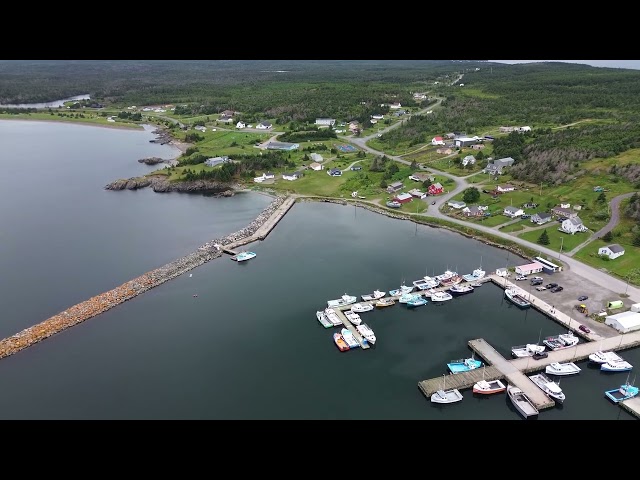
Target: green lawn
{"points": [[557, 239], [626, 267], [516, 227]]}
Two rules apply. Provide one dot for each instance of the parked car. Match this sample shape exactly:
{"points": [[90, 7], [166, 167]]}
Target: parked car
{"points": [[585, 329], [537, 278], [557, 289], [582, 298], [541, 288], [536, 282], [551, 285], [521, 277], [539, 356]]}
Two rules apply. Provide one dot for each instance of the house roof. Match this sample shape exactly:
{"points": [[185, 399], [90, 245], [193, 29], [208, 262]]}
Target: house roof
{"points": [[543, 214], [615, 248], [575, 220], [512, 209], [403, 196], [626, 319], [456, 202], [436, 185]]}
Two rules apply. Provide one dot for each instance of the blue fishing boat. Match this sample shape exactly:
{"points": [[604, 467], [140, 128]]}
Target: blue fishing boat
{"points": [[625, 392], [464, 365], [417, 301]]}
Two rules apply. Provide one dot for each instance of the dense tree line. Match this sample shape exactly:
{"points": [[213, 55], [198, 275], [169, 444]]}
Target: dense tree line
{"points": [[312, 135]]}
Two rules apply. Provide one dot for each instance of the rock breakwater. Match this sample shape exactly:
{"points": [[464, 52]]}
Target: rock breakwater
{"points": [[107, 300]]}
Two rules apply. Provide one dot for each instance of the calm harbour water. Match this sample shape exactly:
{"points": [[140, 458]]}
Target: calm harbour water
{"points": [[249, 346]]}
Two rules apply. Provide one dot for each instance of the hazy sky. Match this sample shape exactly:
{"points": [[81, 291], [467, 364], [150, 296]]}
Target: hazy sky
{"points": [[634, 64]]}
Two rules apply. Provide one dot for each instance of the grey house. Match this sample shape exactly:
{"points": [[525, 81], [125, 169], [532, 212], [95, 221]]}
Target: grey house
{"points": [[541, 218], [495, 167]]}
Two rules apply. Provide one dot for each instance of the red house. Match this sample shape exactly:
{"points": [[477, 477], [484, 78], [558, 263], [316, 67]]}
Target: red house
{"points": [[435, 189], [403, 198]]}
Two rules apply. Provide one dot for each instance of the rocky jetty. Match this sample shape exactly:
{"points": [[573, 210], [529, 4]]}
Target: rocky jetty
{"points": [[107, 300], [152, 160], [161, 184]]}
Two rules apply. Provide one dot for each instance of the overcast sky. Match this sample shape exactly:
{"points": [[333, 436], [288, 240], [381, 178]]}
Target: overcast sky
{"points": [[634, 64]]}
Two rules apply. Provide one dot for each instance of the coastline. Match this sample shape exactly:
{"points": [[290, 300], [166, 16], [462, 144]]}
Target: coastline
{"points": [[133, 126]]}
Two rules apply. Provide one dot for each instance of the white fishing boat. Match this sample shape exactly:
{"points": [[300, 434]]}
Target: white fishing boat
{"points": [[446, 396], [440, 296], [620, 366], [361, 307], [569, 339], [350, 338], [422, 284], [243, 256], [342, 301], [322, 318], [385, 302], [332, 316], [517, 297], [476, 275], [519, 399], [401, 291], [373, 296], [568, 368], [604, 357], [488, 387], [528, 350], [366, 331], [550, 388], [353, 317]]}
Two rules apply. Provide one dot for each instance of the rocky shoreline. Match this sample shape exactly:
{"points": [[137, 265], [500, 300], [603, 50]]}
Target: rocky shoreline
{"points": [[107, 300], [161, 184]]}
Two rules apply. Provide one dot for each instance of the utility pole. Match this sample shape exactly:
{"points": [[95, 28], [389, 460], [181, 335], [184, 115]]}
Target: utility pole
{"points": [[541, 189], [561, 243]]}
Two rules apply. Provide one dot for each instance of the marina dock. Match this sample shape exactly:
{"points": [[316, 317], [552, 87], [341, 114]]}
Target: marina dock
{"points": [[363, 343]]}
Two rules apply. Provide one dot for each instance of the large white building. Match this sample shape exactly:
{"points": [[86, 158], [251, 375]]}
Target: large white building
{"points": [[624, 322]]}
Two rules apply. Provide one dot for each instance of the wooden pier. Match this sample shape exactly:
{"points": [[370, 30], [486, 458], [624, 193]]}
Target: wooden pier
{"points": [[363, 343]]}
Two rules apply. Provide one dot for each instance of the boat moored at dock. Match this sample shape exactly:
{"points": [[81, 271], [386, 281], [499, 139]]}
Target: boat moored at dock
{"points": [[350, 338], [373, 296], [549, 387], [340, 342], [342, 301], [458, 290], [418, 301], [604, 357], [385, 302], [440, 296], [561, 369], [517, 297], [243, 256], [521, 401], [528, 350], [322, 318], [353, 317], [361, 307], [625, 392], [366, 331], [620, 366], [463, 365]]}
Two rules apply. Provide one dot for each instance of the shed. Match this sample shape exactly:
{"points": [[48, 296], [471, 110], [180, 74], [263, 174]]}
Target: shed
{"points": [[624, 322], [530, 268], [615, 304]]}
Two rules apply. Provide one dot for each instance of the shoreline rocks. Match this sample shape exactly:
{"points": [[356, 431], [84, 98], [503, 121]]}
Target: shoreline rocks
{"points": [[161, 184]]}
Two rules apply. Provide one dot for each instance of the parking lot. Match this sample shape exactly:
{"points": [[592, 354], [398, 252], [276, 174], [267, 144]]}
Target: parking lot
{"points": [[566, 300]]}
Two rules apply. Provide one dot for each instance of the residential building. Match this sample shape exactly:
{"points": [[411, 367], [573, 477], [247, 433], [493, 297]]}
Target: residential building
{"points": [[241, 125], [417, 193], [505, 188], [572, 225], [334, 172], [212, 162], [316, 157], [528, 269], [495, 167], [421, 177], [477, 146], [541, 218], [394, 187], [437, 141], [292, 176], [473, 211], [316, 166], [282, 146], [395, 106], [563, 212], [403, 198], [355, 168], [325, 122], [457, 204], [263, 126], [468, 160], [225, 119], [513, 212], [612, 251], [435, 189]]}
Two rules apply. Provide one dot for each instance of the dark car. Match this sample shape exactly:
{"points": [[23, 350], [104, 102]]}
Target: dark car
{"points": [[536, 282], [585, 329], [557, 289], [539, 356], [551, 285], [582, 298]]}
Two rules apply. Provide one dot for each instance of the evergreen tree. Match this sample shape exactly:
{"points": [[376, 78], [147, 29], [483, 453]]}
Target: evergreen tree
{"points": [[607, 237], [543, 239]]}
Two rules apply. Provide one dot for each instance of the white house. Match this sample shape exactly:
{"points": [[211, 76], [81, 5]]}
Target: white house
{"points": [[624, 322], [468, 160], [241, 125], [212, 162], [263, 177], [457, 204], [395, 106], [377, 117], [524, 129], [529, 268], [315, 166], [437, 141], [264, 126], [572, 225], [611, 251], [513, 212], [505, 188], [325, 122], [316, 157], [292, 176]]}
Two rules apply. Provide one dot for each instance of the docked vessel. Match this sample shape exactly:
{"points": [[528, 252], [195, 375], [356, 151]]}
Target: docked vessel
{"points": [[446, 396], [519, 399], [562, 341], [243, 256], [423, 284], [516, 297], [458, 290], [322, 318], [625, 392], [400, 291], [342, 301], [332, 316], [441, 296], [418, 301], [385, 302], [561, 369], [366, 331], [340, 342], [604, 357], [620, 366], [361, 307], [373, 296], [463, 365], [350, 338], [528, 350], [488, 387], [405, 298], [550, 388], [448, 279], [353, 317], [476, 275]]}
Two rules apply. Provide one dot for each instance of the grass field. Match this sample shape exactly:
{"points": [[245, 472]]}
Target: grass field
{"points": [[515, 227], [557, 239], [626, 267]]}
